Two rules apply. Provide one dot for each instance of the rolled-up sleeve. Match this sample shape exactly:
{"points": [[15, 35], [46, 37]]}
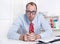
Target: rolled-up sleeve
{"points": [[46, 26], [12, 33]]}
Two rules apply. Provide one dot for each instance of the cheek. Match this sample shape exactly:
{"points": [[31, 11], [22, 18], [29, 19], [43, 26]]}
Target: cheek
{"points": [[30, 16], [33, 16], [27, 15]]}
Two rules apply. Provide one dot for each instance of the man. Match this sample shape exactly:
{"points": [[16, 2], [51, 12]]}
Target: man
{"points": [[27, 27]]}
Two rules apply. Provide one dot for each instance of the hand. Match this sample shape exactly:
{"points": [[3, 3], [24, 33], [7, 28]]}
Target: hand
{"points": [[38, 36], [23, 37], [31, 37]]}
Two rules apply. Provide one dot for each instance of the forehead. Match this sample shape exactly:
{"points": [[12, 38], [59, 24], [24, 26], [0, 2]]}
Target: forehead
{"points": [[31, 7]]}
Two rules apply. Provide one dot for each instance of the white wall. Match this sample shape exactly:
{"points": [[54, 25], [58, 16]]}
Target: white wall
{"points": [[10, 9], [6, 17], [49, 7]]}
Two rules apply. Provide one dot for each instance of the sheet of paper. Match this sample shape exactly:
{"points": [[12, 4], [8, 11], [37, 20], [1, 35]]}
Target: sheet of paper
{"points": [[48, 39]]}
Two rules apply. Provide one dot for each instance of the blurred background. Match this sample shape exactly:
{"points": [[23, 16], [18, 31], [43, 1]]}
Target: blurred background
{"points": [[11, 9]]}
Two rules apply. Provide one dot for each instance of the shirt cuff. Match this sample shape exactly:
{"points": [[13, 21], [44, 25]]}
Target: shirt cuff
{"points": [[45, 35], [17, 36]]}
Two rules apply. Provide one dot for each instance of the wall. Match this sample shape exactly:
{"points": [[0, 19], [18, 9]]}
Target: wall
{"points": [[49, 7], [6, 17]]}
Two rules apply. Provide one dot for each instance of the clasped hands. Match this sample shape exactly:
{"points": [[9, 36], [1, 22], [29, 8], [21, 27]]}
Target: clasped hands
{"points": [[30, 37]]}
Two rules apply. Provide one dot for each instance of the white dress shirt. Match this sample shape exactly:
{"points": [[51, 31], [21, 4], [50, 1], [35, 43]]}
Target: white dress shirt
{"points": [[21, 26]]}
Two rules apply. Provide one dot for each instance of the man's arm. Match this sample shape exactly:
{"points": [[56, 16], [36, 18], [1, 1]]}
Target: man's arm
{"points": [[12, 34], [46, 26]]}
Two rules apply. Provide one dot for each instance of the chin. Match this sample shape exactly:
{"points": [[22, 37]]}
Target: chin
{"points": [[31, 19]]}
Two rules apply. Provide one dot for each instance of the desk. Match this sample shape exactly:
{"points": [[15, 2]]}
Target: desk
{"points": [[51, 39], [9, 41]]}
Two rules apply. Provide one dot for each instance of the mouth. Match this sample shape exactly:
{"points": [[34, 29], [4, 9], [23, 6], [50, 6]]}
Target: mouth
{"points": [[30, 18]]}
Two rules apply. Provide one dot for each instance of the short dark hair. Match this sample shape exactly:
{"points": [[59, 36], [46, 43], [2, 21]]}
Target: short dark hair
{"points": [[31, 3]]}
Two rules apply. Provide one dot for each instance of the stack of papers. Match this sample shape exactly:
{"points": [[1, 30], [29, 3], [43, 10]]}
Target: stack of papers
{"points": [[50, 39]]}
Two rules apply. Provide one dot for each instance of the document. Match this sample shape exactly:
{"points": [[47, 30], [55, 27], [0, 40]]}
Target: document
{"points": [[48, 40]]}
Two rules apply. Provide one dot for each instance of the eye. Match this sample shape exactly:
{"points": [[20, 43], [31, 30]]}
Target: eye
{"points": [[33, 12]]}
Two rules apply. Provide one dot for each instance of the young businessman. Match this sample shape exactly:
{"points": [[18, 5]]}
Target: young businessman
{"points": [[27, 26]]}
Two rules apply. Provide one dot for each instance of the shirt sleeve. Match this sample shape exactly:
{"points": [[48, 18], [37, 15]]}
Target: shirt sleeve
{"points": [[46, 26], [12, 33]]}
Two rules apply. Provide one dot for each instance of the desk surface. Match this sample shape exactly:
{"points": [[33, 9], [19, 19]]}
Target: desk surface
{"points": [[15, 42], [8, 41]]}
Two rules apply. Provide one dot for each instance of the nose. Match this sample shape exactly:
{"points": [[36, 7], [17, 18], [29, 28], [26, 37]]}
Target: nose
{"points": [[31, 14]]}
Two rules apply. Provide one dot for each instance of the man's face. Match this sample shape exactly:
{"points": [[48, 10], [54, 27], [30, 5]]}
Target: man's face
{"points": [[31, 12]]}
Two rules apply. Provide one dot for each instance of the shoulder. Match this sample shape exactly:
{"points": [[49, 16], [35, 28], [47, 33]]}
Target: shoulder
{"points": [[40, 15], [21, 16]]}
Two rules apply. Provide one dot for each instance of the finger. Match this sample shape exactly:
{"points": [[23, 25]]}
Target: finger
{"points": [[27, 34], [25, 38], [31, 38]]}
